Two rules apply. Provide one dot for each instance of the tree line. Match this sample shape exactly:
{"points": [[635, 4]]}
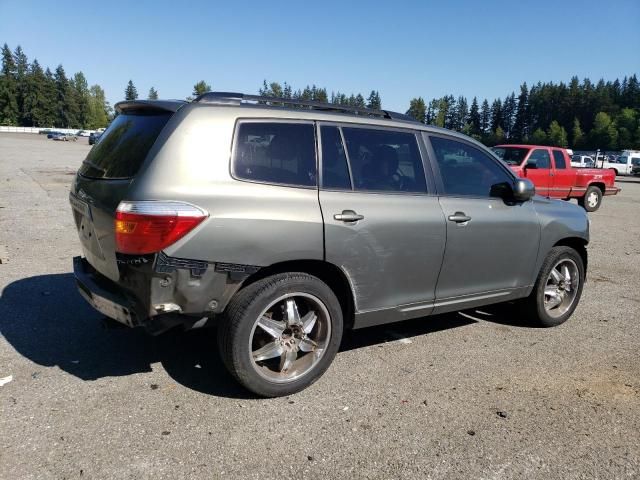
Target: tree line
{"points": [[319, 94], [31, 96], [580, 114]]}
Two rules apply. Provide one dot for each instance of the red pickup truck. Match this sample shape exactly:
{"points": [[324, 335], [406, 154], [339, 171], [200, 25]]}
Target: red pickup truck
{"points": [[549, 168]]}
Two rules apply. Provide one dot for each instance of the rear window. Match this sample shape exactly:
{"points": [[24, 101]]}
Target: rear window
{"points": [[511, 155], [276, 153], [124, 145], [558, 157]]}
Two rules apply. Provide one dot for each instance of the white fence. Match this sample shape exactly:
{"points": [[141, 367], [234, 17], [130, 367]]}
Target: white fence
{"points": [[8, 129]]}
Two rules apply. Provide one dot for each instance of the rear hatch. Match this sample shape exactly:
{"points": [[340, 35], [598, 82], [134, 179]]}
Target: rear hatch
{"points": [[105, 177]]}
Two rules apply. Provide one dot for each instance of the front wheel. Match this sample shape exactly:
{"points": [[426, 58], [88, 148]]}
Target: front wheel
{"points": [[592, 199], [280, 334], [558, 288]]}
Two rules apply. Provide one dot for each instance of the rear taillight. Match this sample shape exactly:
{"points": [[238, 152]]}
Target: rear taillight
{"points": [[150, 226]]}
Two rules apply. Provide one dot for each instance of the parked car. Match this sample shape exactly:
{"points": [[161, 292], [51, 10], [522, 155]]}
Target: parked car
{"points": [[44, 131], [620, 165], [286, 226], [53, 133], [549, 168], [82, 133], [581, 161], [626, 161], [64, 137], [94, 137]]}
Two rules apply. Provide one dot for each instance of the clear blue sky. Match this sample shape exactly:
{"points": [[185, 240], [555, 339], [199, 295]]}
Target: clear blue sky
{"points": [[401, 48]]}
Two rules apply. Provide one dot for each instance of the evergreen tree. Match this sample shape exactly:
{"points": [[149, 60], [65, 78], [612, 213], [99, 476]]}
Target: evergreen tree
{"points": [[509, 111], [153, 94], [131, 92], [81, 92], [496, 114], [373, 101], [485, 117], [431, 112], [66, 107], [51, 99], [321, 96], [22, 69], [286, 91], [521, 120], [442, 114], [417, 109], [9, 112], [35, 107], [461, 113], [474, 118]]}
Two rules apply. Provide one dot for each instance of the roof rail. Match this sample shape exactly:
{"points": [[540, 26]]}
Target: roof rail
{"points": [[232, 98]]}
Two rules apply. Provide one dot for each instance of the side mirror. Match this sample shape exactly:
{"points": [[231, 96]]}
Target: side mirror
{"points": [[531, 164], [523, 189]]}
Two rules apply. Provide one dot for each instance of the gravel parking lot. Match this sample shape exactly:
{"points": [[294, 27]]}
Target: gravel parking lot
{"points": [[469, 395]]}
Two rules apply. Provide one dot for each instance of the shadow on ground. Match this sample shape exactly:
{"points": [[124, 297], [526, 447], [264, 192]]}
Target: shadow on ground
{"points": [[46, 320]]}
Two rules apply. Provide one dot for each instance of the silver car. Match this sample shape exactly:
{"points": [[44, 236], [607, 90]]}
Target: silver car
{"points": [[285, 222]]}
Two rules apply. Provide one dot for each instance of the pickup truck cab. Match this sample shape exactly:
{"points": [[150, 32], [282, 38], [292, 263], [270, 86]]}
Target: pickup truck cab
{"points": [[549, 168]]}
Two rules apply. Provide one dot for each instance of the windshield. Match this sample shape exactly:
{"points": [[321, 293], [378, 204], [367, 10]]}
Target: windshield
{"points": [[511, 155], [123, 146]]}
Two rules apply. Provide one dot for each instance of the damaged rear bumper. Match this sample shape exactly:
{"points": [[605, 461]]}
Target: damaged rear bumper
{"points": [[96, 290], [157, 291]]}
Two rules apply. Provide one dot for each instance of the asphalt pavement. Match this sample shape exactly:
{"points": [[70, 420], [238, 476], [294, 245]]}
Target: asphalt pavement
{"points": [[478, 394]]}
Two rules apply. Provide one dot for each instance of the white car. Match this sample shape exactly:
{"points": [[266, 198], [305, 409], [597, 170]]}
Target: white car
{"points": [[581, 161], [83, 133], [622, 165]]}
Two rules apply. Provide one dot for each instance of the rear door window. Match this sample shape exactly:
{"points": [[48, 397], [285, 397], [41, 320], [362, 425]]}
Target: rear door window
{"points": [[558, 158], [384, 160], [276, 153], [124, 145]]}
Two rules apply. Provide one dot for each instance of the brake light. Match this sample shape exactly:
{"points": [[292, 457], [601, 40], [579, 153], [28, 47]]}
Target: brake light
{"points": [[150, 226]]}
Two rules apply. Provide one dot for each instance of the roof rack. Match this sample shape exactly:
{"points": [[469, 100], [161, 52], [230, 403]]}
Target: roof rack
{"points": [[232, 98]]}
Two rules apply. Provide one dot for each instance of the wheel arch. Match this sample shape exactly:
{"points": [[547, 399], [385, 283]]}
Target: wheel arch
{"points": [[579, 245], [329, 273]]}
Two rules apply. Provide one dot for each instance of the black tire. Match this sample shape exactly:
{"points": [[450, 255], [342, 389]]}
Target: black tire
{"points": [[235, 331], [534, 304], [592, 192]]}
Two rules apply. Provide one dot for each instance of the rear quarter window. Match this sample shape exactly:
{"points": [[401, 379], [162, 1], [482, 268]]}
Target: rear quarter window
{"points": [[275, 153], [123, 146]]}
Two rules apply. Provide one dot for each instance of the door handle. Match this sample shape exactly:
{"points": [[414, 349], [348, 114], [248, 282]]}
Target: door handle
{"points": [[348, 216], [459, 217]]}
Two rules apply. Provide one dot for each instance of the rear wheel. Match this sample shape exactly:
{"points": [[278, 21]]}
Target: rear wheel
{"points": [[280, 334], [592, 199], [558, 288]]}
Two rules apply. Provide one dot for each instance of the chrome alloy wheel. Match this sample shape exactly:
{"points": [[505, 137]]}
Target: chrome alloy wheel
{"points": [[592, 199], [561, 288], [290, 337]]}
